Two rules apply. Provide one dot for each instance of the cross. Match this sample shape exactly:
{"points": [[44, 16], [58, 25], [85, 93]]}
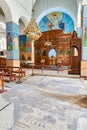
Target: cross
{"points": [[50, 26]]}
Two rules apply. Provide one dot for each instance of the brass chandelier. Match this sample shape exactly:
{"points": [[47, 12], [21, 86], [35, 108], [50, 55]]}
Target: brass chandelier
{"points": [[32, 31]]}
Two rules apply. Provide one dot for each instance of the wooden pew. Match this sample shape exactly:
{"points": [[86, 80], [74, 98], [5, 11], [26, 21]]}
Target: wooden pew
{"points": [[18, 71], [7, 73]]}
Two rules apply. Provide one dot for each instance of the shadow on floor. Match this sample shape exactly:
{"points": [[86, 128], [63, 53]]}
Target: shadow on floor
{"points": [[80, 100]]}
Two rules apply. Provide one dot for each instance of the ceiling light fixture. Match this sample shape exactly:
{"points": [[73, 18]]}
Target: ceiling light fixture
{"points": [[32, 31]]}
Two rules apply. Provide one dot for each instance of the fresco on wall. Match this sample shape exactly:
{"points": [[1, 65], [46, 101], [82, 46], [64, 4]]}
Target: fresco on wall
{"points": [[79, 32], [12, 27], [57, 20], [9, 41], [12, 37], [25, 48], [22, 43], [28, 46], [15, 42], [84, 50], [85, 11], [85, 33]]}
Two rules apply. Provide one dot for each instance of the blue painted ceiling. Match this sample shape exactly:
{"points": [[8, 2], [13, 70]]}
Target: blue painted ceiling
{"points": [[57, 20]]}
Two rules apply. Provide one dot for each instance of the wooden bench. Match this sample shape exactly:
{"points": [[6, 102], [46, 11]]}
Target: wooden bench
{"points": [[7, 73], [17, 70]]}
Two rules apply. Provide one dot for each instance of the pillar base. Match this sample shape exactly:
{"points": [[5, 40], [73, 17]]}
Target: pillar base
{"points": [[83, 69], [13, 63]]}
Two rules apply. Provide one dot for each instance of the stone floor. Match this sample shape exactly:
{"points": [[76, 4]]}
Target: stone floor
{"points": [[46, 101]]}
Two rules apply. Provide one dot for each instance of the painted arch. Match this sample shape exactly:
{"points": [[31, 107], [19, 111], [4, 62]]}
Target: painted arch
{"points": [[59, 18]]}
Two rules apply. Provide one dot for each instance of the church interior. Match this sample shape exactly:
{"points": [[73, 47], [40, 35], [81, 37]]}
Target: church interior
{"points": [[43, 65]]}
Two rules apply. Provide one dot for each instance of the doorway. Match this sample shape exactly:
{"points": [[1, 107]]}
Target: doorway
{"points": [[52, 56]]}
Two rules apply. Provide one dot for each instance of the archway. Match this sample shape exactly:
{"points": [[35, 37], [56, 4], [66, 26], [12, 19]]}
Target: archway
{"points": [[21, 27], [5, 15], [52, 56]]}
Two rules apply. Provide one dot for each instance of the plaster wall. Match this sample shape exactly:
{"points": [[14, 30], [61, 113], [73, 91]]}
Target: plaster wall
{"points": [[16, 9]]}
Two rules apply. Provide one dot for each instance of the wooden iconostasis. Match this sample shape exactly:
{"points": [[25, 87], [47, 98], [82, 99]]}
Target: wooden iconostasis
{"points": [[58, 51]]}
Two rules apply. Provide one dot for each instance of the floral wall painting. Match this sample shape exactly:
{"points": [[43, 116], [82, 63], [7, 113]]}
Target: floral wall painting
{"points": [[57, 20]]}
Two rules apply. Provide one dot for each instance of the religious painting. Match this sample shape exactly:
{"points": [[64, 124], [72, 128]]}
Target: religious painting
{"points": [[60, 51], [15, 42], [44, 52], [57, 20], [85, 11], [22, 43], [85, 33], [28, 46], [25, 56], [68, 51], [25, 48], [9, 41], [84, 51], [37, 52], [12, 40]]}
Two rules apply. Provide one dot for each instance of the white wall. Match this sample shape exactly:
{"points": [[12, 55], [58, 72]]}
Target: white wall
{"points": [[20, 8]]}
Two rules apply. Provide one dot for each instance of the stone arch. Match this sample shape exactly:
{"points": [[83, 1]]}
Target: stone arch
{"points": [[7, 12], [22, 24]]}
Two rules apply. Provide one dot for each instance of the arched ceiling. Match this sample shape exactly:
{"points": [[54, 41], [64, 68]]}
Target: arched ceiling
{"points": [[1, 11]]}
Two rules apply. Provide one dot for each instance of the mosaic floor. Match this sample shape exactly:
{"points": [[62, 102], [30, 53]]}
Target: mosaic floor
{"points": [[44, 103]]}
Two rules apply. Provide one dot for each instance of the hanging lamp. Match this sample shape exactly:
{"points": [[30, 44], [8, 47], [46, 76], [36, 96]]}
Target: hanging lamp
{"points": [[33, 31]]}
